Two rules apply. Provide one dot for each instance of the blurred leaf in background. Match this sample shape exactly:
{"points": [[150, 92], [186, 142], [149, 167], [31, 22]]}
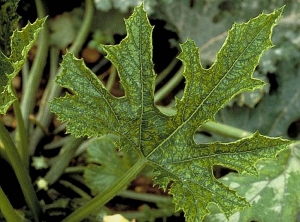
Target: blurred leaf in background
{"points": [[274, 195], [106, 163]]}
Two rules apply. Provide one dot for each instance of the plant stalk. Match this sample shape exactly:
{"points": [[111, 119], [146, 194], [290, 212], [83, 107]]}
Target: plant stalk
{"points": [[36, 72], [7, 209], [103, 197], [63, 159], [169, 86], [214, 127], [111, 78], [21, 172], [76, 189], [147, 197], [44, 115], [161, 76], [21, 134], [225, 130]]}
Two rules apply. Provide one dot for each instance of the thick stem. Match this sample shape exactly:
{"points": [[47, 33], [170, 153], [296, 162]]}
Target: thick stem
{"points": [[111, 78], [54, 60], [76, 189], [7, 209], [63, 159], [36, 72], [225, 130], [147, 197], [166, 71], [142, 214], [21, 172], [44, 115], [85, 27], [107, 194], [169, 86], [25, 74], [214, 127], [21, 134], [75, 169]]}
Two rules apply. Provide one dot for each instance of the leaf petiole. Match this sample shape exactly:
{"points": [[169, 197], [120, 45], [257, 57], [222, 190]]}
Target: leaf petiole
{"points": [[21, 133], [7, 209], [44, 115], [21, 172], [169, 86], [62, 161], [36, 72], [103, 197]]}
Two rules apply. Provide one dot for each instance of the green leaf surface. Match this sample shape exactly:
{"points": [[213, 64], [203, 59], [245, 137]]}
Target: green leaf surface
{"points": [[21, 42], [278, 110], [167, 142], [274, 195], [277, 114]]}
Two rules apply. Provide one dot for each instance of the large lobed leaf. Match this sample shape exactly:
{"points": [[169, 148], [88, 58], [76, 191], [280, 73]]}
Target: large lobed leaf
{"points": [[21, 42], [167, 142]]}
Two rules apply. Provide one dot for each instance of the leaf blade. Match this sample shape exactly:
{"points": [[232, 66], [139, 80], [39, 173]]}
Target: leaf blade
{"points": [[21, 42], [166, 142]]}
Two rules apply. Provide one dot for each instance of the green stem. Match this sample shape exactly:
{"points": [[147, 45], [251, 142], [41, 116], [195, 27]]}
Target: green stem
{"points": [[225, 130], [54, 55], [143, 215], [36, 72], [25, 74], [54, 60], [3, 154], [20, 171], [6, 208], [57, 143], [75, 169], [21, 134], [63, 159], [161, 76], [111, 78], [107, 194], [214, 127], [153, 198], [44, 115], [76, 189], [85, 28], [169, 86]]}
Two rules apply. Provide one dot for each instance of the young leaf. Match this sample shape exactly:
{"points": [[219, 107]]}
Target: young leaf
{"points": [[274, 194], [21, 42], [166, 142]]}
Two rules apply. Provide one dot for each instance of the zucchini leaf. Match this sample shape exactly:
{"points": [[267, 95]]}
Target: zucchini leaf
{"points": [[21, 42], [167, 141]]}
